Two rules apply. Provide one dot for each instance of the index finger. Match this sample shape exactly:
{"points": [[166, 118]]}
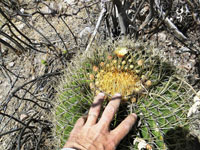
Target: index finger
{"points": [[95, 109]]}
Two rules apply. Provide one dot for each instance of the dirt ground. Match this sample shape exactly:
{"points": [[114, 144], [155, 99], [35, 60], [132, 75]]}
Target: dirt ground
{"points": [[56, 31]]}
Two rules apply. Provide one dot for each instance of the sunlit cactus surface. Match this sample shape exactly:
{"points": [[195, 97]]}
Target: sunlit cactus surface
{"points": [[150, 87]]}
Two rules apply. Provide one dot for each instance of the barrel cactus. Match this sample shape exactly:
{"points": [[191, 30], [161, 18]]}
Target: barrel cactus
{"points": [[150, 87]]}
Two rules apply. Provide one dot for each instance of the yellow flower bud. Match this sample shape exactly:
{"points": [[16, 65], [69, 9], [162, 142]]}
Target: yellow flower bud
{"points": [[109, 57], [91, 76], [102, 64], [137, 71], [123, 62], [114, 61], [107, 65], [121, 51], [97, 83], [119, 66], [140, 62], [131, 66], [143, 77], [91, 85], [95, 68], [148, 83], [133, 100]]}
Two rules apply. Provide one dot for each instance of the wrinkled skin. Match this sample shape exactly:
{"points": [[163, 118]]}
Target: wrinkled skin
{"points": [[94, 134]]}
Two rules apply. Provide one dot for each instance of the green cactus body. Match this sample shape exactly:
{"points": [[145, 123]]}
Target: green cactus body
{"points": [[164, 108], [150, 87]]}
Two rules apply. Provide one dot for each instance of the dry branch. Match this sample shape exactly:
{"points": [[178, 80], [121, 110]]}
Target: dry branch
{"points": [[170, 24], [102, 14]]}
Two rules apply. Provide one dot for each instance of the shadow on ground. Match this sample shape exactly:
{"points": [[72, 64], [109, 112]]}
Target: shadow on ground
{"points": [[180, 139]]}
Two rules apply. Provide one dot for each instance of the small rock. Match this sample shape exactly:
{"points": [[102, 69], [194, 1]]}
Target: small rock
{"points": [[198, 93], [3, 50], [21, 26], [11, 64], [196, 99], [162, 36], [85, 31], [22, 10], [194, 109], [70, 2], [23, 116], [45, 10], [0, 81]]}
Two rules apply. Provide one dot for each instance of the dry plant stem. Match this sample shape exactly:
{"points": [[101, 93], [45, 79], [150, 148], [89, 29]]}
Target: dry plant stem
{"points": [[138, 10], [14, 41], [30, 46], [40, 33], [34, 80], [169, 24], [149, 16], [4, 15], [107, 21], [10, 46], [122, 17], [69, 30], [11, 131], [22, 133], [17, 120], [102, 14], [192, 8], [55, 31]]}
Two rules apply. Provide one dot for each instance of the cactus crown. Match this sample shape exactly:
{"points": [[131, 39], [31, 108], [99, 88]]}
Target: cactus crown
{"points": [[121, 72]]}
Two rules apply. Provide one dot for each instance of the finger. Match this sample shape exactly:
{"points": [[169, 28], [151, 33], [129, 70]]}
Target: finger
{"points": [[79, 124], [95, 109], [124, 127], [110, 111]]}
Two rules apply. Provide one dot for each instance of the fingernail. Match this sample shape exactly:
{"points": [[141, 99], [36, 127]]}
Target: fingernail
{"points": [[134, 115], [117, 95], [101, 94]]}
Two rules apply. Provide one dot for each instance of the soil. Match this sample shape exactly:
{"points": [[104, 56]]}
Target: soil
{"points": [[28, 77]]}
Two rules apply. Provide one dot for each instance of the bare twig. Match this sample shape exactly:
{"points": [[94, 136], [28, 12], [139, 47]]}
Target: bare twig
{"points": [[149, 16], [11, 47], [122, 17], [9, 132], [138, 10], [75, 38], [4, 15], [14, 41], [55, 31], [169, 24], [103, 11]]}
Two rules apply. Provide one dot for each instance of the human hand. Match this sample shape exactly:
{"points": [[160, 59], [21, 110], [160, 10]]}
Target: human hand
{"points": [[92, 135]]}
